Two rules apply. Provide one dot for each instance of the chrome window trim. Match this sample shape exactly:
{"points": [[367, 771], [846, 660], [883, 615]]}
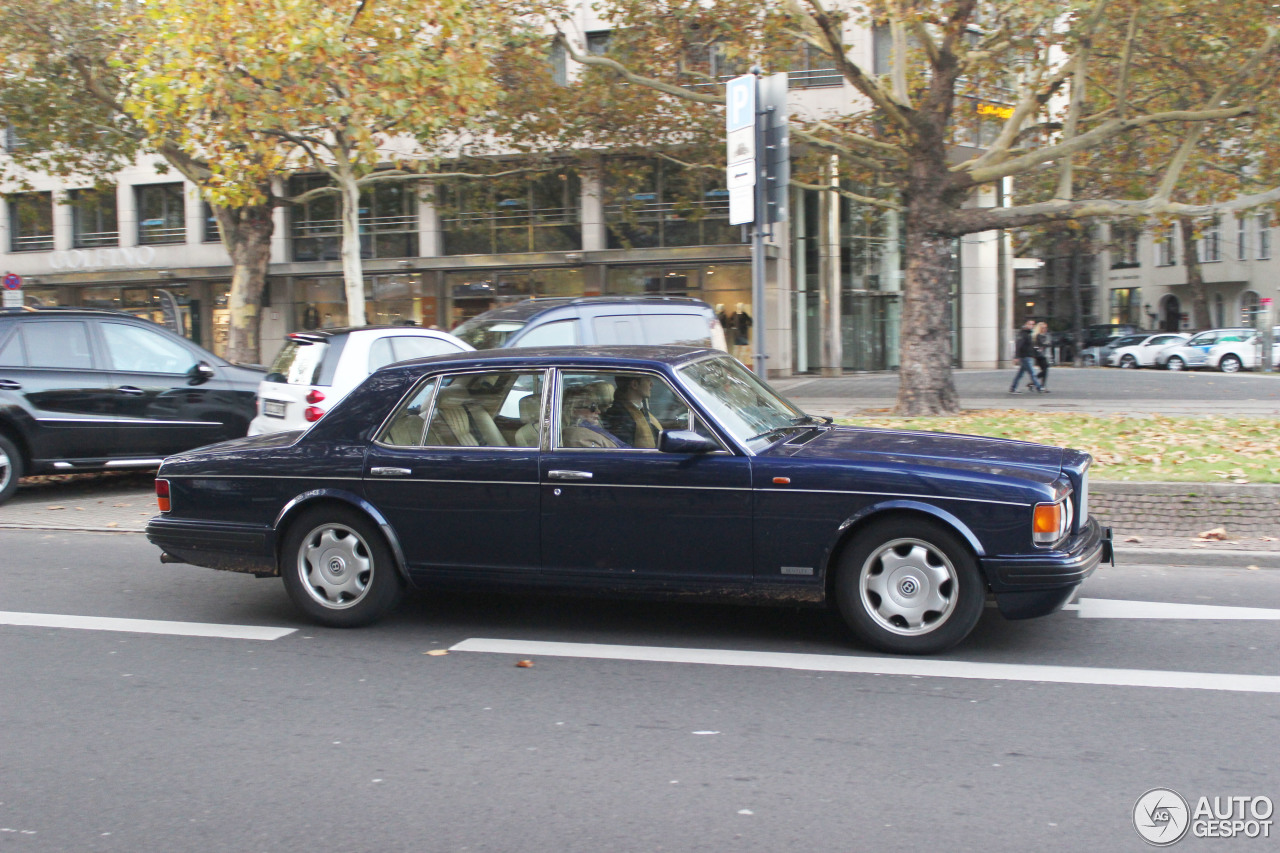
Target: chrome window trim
{"points": [[395, 410]]}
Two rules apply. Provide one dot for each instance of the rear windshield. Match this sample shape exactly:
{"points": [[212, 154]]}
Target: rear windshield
{"points": [[488, 334], [298, 363]]}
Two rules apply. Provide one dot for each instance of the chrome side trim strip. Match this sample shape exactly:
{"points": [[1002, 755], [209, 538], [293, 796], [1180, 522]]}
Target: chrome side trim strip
{"points": [[132, 463], [897, 495]]}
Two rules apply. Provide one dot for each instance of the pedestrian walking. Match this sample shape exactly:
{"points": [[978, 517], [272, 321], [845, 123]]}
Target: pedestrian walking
{"points": [[1041, 343], [1025, 355]]}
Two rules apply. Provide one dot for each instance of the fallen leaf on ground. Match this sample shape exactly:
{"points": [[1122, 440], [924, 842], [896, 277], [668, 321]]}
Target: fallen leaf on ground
{"points": [[113, 524], [1134, 539], [55, 507], [1252, 568], [437, 652], [524, 664], [1267, 538], [1219, 533]]}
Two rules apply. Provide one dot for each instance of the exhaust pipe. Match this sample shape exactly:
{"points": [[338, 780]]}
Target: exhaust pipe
{"points": [[166, 557]]}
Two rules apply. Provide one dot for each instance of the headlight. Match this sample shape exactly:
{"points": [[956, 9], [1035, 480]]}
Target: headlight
{"points": [[1050, 523]]}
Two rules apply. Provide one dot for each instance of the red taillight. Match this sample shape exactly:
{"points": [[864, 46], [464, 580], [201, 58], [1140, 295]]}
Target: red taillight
{"points": [[313, 413], [314, 397], [162, 495]]}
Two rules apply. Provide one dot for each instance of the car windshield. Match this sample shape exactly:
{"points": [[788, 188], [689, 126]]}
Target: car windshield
{"points": [[488, 334], [748, 408]]}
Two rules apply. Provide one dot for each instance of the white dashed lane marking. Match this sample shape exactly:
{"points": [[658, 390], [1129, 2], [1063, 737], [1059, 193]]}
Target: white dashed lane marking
{"points": [[144, 626], [923, 667]]}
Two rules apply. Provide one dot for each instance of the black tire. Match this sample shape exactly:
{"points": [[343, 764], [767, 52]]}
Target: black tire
{"points": [[1230, 364], [10, 468], [932, 566], [338, 569], [1175, 363], [1129, 362]]}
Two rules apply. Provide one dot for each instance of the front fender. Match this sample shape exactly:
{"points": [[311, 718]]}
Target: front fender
{"points": [[306, 499], [900, 505]]}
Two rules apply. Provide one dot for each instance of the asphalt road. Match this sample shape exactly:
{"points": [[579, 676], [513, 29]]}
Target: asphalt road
{"points": [[1099, 390], [322, 740]]}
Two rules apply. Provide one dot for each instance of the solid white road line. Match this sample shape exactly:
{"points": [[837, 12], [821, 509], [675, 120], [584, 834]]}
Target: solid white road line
{"points": [[1103, 608], [144, 626], [885, 666]]}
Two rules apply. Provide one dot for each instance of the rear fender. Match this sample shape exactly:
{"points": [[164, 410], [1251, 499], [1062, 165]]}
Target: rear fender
{"points": [[311, 498]]}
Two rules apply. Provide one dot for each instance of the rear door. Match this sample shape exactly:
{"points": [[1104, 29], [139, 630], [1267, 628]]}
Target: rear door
{"points": [[50, 370]]}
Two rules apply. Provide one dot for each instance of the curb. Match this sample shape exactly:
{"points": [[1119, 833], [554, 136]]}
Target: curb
{"points": [[1198, 558]]}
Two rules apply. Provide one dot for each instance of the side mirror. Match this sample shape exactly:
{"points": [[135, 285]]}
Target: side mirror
{"points": [[685, 441], [200, 373]]}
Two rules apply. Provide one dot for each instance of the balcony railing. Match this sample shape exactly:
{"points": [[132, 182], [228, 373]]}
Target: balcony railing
{"points": [[91, 239], [151, 234], [33, 243]]}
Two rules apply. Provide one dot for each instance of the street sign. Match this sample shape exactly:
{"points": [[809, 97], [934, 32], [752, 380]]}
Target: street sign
{"points": [[12, 291], [742, 145], [777, 153], [740, 175], [13, 281], [740, 102]]}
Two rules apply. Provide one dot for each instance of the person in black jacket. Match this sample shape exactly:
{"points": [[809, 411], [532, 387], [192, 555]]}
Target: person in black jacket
{"points": [[1025, 355]]}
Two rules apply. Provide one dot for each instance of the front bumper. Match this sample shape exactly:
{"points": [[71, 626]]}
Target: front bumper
{"points": [[1029, 585]]}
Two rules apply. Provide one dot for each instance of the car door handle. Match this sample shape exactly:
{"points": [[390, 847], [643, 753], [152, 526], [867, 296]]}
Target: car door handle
{"points": [[10, 385], [569, 475], [131, 391], [391, 472]]}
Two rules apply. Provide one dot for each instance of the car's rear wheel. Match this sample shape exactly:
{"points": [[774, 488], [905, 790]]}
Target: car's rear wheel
{"points": [[338, 569], [1230, 364], [909, 586], [1128, 362], [1176, 363], [10, 468]]}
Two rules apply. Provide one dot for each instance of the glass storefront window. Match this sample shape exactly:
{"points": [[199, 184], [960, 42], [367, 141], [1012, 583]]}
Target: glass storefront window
{"points": [[169, 306], [651, 203], [473, 293], [93, 218], [31, 222], [520, 213], [388, 221], [390, 300], [161, 217]]}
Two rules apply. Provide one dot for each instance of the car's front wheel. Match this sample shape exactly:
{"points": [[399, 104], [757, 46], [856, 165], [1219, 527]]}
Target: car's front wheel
{"points": [[338, 569], [1176, 363], [10, 468], [1129, 362], [909, 586], [1230, 364]]}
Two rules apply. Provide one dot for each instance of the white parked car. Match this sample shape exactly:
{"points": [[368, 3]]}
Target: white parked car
{"points": [[315, 370], [1234, 356], [1195, 352], [1142, 353]]}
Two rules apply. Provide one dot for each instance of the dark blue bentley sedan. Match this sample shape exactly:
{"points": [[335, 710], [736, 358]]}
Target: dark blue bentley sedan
{"points": [[634, 471]]}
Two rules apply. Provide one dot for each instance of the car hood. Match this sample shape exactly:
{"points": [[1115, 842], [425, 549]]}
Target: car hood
{"points": [[1038, 462]]}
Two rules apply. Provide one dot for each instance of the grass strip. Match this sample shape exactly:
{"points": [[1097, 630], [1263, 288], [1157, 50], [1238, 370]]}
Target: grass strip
{"points": [[1156, 448]]}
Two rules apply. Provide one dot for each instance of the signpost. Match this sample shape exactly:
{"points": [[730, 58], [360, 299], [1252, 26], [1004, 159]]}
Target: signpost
{"points": [[12, 291], [758, 175]]}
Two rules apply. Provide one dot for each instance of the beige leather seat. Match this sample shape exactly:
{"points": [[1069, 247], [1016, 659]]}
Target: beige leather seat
{"points": [[530, 431], [465, 421]]}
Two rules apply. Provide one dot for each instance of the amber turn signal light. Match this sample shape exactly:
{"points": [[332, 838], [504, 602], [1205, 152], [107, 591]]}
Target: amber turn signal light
{"points": [[162, 495]]}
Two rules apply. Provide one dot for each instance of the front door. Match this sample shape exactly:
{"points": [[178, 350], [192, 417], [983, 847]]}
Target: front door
{"points": [[617, 508], [455, 473]]}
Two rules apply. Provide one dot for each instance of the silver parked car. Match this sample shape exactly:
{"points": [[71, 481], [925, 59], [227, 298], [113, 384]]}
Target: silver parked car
{"points": [[1143, 352], [1195, 352]]}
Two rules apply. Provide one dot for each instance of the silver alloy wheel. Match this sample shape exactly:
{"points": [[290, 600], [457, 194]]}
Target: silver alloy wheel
{"points": [[1129, 362], [908, 587], [335, 566], [1175, 363], [6, 470], [1229, 364]]}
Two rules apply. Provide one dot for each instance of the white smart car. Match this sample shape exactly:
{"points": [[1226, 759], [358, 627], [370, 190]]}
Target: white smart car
{"points": [[1142, 353], [315, 370]]}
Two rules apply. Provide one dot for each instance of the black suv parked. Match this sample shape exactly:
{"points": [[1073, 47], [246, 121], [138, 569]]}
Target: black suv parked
{"points": [[88, 390]]}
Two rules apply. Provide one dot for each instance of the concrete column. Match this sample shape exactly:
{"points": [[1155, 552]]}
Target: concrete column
{"points": [[127, 214], [63, 222], [778, 304], [280, 252], [829, 272], [594, 235], [980, 293], [192, 213], [430, 237]]}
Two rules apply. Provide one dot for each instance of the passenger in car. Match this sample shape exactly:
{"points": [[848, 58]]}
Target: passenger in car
{"points": [[629, 417], [581, 422]]}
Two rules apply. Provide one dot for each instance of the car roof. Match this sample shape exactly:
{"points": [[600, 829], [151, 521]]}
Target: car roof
{"points": [[532, 307], [321, 334], [594, 356], [68, 311]]}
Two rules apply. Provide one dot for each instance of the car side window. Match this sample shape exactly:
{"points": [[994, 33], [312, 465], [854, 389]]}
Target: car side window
{"points": [[58, 344], [389, 350], [139, 350], [561, 333], [619, 410], [11, 354], [408, 427], [616, 330], [486, 410], [691, 330]]}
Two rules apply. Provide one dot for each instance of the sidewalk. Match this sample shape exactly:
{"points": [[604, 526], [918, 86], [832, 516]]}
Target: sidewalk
{"points": [[124, 504]]}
